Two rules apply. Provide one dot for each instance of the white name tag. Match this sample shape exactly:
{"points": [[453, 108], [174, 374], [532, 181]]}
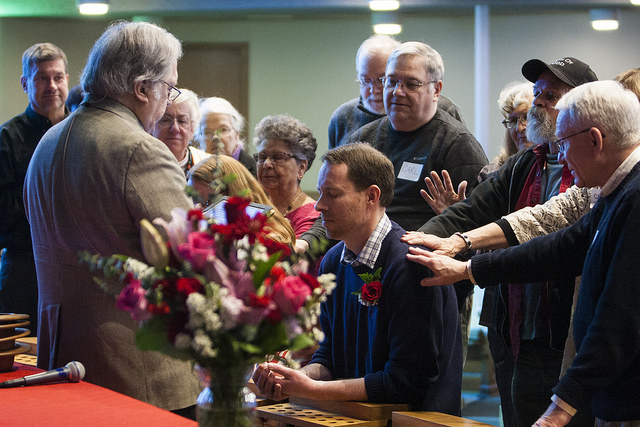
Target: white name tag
{"points": [[410, 171]]}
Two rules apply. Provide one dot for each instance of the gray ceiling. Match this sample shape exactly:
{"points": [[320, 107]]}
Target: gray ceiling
{"points": [[253, 8]]}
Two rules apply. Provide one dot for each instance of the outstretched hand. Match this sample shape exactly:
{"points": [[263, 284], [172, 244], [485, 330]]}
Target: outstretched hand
{"points": [[439, 245], [442, 195], [445, 270]]}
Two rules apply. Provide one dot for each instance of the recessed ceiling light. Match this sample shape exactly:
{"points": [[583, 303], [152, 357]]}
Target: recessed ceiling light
{"points": [[385, 4], [93, 7]]}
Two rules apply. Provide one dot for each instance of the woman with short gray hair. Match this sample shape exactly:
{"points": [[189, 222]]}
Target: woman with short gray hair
{"points": [[220, 131], [286, 150]]}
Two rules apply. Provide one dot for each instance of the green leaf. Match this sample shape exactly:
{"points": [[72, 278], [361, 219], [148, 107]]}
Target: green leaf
{"points": [[274, 338], [368, 277], [301, 341], [263, 269]]}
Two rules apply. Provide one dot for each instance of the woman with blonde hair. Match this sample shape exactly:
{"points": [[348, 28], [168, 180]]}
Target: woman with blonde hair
{"points": [[204, 173]]}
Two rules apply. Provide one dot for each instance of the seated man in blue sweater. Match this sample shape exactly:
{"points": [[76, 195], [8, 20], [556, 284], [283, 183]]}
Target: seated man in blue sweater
{"points": [[397, 342], [598, 131]]}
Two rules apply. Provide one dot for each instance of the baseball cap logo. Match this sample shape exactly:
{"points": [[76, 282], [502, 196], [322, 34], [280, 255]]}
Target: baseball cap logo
{"points": [[562, 61]]}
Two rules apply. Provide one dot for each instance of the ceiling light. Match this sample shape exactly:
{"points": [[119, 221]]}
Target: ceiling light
{"points": [[385, 4], [385, 23], [604, 19], [93, 7]]}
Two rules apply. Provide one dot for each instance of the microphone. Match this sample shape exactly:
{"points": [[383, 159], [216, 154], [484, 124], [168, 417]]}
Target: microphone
{"points": [[72, 371]]}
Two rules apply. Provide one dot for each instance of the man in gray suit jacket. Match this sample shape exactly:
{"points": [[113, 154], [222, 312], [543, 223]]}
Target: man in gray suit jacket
{"points": [[91, 180]]}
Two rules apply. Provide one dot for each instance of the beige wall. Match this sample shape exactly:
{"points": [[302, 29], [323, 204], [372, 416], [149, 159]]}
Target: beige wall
{"points": [[306, 67]]}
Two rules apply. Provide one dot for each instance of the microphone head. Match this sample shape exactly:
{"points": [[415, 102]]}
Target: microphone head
{"points": [[76, 371]]}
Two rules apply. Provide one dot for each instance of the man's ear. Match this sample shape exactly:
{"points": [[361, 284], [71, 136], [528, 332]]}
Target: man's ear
{"points": [[597, 139], [141, 90], [373, 194], [23, 82], [437, 87]]}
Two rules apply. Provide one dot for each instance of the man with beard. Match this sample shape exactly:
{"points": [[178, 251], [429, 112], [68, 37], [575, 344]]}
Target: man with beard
{"points": [[534, 319]]}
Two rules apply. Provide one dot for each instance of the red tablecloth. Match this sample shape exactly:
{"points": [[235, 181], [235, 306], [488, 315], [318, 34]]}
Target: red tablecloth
{"points": [[75, 404]]}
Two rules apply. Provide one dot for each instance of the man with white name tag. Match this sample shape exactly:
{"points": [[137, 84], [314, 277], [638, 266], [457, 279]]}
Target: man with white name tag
{"points": [[418, 137]]}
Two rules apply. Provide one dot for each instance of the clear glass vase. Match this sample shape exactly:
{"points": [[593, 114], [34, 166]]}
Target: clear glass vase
{"points": [[226, 402]]}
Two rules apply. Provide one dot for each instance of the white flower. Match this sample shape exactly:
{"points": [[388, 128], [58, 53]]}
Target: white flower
{"points": [[212, 321], [260, 253], [318, 334], [197, 305], [203, 345], [328, 282], [137, 268], [196, 302], [231, 308]]}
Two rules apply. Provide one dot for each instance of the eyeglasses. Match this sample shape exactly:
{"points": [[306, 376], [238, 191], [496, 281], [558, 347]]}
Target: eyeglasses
{"points": [[409, 85], [513, 122], [362, 82], [211, 134], [277, 157], [173, 93], [561, 144], [167, 121]]}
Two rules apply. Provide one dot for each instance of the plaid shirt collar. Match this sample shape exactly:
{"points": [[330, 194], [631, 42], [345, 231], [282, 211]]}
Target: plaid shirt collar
{"points": [[371, 250]]}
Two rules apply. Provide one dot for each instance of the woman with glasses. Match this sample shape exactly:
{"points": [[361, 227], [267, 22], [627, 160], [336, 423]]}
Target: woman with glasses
{"points": [[177, 127], [220, 130], [514, 102], [286, 149]]}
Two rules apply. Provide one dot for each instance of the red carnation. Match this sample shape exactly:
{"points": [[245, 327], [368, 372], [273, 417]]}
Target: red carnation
{"points": [[236, 209], [188, 285]]}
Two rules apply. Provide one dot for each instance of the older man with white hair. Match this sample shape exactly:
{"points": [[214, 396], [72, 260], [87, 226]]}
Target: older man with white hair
{"points": [[91, 180], [598, 131], [371, 62]]}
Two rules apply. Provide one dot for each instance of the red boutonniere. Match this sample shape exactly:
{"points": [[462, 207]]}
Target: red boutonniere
{"points": [[371, 291]]}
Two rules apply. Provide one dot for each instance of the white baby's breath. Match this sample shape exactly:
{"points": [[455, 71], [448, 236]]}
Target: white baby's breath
{"points": [[203, 345]]}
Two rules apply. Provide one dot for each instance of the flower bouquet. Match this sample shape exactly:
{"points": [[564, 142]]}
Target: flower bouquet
{"points": [[225, 296]]}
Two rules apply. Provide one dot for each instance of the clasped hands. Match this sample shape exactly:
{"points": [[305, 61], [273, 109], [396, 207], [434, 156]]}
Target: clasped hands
{"points": [[277, 382]]}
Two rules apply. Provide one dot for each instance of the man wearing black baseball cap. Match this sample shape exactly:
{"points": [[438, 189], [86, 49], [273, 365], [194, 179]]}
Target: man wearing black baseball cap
{"points": [[532, 320], [551, 81]]}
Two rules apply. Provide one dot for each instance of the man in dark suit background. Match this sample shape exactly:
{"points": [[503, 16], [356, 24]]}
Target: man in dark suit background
{"points": [[45, 81]]}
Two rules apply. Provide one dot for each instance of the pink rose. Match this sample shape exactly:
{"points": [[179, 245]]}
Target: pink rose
{"points": [[132, 299], [198, 247], [289, 293]]}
